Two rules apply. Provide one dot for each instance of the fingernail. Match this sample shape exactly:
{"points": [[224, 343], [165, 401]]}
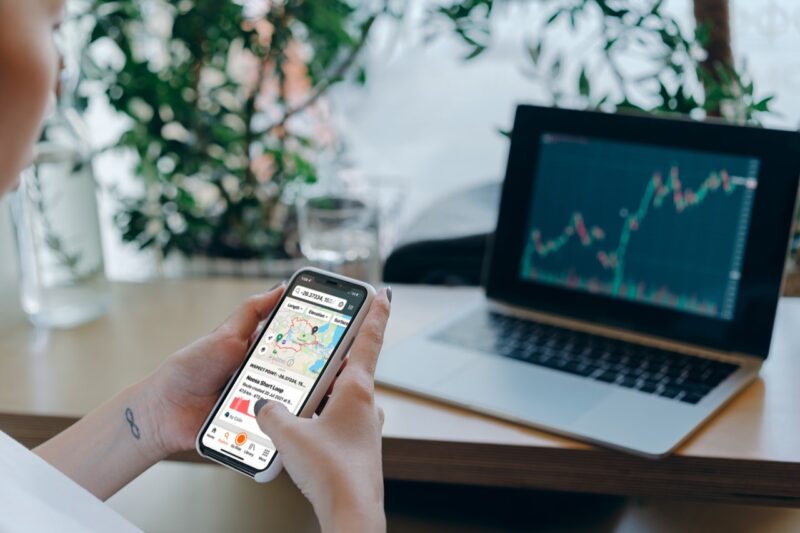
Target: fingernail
{"points": [[389, 293], [259, 404]]}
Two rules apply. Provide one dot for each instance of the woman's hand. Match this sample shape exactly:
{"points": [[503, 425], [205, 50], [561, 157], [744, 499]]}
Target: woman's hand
{"points": [[159, 415], [335, 458], [185, 388]]}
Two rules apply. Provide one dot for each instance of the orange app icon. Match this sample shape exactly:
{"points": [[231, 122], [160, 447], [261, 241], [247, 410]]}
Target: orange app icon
{"points": [[241, 438]]}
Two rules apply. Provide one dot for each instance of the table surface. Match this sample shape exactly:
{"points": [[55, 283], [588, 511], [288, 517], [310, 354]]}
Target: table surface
{"points": [[749, 453]]}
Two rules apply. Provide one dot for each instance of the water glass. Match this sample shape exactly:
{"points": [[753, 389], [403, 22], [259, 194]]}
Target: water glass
{"points": [[341, 234], [55, 216]]}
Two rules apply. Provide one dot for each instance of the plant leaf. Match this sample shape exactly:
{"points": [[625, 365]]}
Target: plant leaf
{"points": [[584, 86]]}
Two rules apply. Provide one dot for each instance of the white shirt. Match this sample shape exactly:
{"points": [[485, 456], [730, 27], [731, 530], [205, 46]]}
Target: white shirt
{"points": [[34, 496]]}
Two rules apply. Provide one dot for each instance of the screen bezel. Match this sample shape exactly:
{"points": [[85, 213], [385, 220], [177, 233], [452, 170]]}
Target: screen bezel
{"points": [[750, 330], [320, 278]]}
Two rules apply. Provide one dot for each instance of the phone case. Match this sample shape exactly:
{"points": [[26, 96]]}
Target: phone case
{"points": [[322, 384]]}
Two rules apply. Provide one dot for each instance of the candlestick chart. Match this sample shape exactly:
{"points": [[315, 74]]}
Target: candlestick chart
{"points": [[660, 226]]}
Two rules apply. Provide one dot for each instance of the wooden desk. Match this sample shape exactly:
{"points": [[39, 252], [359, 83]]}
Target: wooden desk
{"points": [[749, 453]]}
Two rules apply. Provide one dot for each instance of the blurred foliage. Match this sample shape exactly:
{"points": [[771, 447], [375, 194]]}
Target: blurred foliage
{"points": [[678, 77], [223, 100]]}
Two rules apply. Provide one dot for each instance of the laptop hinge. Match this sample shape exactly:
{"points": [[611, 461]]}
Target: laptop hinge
{"points": [[622, 334]]}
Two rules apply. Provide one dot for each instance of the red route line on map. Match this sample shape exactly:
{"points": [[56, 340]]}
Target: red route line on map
{"points": [[301, 344]]}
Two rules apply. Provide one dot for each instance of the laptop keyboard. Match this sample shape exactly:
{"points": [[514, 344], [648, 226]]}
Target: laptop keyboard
{"points": [[672, 375]]}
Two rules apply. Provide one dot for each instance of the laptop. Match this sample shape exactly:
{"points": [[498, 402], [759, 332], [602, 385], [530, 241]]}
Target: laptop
{"points": [[631, 284]]}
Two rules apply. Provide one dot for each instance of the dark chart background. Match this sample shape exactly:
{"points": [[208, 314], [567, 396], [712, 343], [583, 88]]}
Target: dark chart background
{"points": [[610, 218]]}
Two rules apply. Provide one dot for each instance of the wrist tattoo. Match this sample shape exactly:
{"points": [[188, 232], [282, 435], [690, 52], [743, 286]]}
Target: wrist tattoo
{"points": [[134, 428]]}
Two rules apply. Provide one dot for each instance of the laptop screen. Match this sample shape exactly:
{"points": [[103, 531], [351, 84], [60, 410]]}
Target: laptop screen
{"points": [[671, 228], [663, 226]]}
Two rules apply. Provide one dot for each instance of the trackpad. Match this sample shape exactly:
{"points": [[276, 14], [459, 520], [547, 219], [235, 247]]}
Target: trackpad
{"points": [[523, 391], [421, 365]]}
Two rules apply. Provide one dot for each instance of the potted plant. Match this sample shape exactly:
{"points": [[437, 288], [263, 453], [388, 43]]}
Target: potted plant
{"points": [[226, 112]]}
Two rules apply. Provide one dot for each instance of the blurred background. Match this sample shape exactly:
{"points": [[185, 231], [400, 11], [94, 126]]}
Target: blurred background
{"points": [[245, 137], [248, 137]]}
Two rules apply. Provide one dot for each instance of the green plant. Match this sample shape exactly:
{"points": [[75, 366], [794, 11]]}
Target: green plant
{"points": [[223, 99], [689, 73]]}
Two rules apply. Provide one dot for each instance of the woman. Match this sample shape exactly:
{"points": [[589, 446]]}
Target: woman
{"points": [[335, 459]]}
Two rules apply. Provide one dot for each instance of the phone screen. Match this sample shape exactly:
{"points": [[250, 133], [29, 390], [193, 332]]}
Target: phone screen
{"points": [[283, 366]]}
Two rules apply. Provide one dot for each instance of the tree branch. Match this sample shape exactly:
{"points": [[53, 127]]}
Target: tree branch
{"points": [[326, 83]]}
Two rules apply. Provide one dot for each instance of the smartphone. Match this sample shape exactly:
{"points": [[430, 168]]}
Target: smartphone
{"points": [[294, 361]]}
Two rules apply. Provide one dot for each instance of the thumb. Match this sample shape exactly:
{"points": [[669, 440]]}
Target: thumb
{"points": [[275, 420]]}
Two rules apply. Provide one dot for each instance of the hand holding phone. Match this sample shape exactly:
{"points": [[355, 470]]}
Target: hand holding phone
{"points": [[293, 363], [335, 458]]}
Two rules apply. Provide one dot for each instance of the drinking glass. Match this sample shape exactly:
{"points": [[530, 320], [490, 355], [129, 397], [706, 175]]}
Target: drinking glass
{"points": [[57, 230], [342, 234]]}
